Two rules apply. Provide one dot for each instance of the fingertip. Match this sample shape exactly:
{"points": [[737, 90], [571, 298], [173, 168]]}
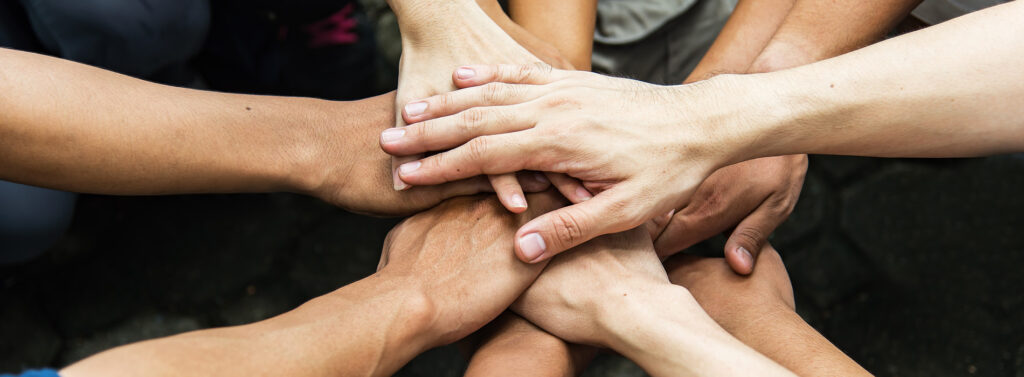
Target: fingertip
{"points": [[741, 260], [531, 247]]}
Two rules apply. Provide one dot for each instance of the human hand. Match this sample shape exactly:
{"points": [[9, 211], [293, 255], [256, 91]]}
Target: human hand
{"points": [[638, 147], [754, 197], [457, 256], [573, 295], [735, 302], [429, 56], [348, 169]]}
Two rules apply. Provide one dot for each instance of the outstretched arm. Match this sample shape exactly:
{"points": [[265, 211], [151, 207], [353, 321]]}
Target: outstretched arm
{"points": [[910, 96], [512, 346], [442, 278], [759, 310], [74, 127]]}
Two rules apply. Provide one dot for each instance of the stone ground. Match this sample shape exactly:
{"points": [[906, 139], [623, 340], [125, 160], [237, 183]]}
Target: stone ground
{"points": [[913, 267]]}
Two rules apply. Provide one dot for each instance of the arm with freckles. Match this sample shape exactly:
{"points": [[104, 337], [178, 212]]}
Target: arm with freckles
{"points": [[445, 273]]}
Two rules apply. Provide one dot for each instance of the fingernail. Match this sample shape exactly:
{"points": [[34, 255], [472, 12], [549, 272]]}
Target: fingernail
{"points": [[541, 178], [517, 201], [391, 134], [532, 246], [409, 167], [415, 108], [745, 255], [399, 185], [465, 73], [583, 194]]}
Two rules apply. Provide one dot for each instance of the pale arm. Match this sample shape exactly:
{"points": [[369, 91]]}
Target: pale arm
{"points": [[950, 90]]}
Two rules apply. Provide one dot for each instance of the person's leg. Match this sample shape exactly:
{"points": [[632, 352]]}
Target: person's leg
{"points": [[32, 220]]}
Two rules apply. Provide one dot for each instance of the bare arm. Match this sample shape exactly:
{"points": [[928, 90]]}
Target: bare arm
{"points": [[759, 310], [512, 346], [566, 24], [74, 127], [945, 91], [744, 36], [815, 30], [442, 278]]}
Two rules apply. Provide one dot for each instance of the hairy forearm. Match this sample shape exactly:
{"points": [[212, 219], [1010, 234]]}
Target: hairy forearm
{"points": [[910, 96], [567, 24], [369, 328], [783, 336], [69, 126], [742, 39], [815, 30], [668, 335]]}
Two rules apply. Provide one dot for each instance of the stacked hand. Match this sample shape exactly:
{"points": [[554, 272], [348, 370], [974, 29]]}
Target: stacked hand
{"points": [[632, 144], [428, 60]]}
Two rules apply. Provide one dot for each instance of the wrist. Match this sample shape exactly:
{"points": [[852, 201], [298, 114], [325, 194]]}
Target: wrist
{"points": [[428, 23]]}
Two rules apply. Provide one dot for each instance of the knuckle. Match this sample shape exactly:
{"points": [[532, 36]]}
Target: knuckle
{"points": [[494, 92], [568, 227], [471, 120], [752, 236], [478, 147]]}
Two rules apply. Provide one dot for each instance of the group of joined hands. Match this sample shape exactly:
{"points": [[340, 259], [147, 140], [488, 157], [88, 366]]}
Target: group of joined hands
{"points": [[639, 173]]}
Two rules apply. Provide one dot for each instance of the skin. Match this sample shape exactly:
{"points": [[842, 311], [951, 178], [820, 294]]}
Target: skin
{"points": [[431, 50], [754, 197], [760, 311], [613, 292], [645, 148], [512, 346], [568, 25], [442, 278], [74, 127]]}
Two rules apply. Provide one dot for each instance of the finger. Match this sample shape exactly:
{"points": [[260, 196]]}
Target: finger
{"points": [[397, 162], [534, 74], [746, 241], [509, 192], [495, 154], [658, 224], [465, 187], [562, 229], [533, 181], [492, 94], [454, 130], [570, 187], [687, 229]]}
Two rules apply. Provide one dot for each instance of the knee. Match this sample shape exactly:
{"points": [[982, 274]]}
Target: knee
{"points": [[32, 220]]}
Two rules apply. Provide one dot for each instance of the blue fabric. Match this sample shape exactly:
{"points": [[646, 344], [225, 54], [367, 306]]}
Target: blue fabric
{"points": [[34, 373], [32, 220]]}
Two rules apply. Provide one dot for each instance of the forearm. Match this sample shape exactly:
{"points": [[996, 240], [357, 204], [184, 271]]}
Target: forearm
{"points": [[515, 347], [672, 336], [567, 24], [910, 96], [742, 39], [815, 30], [783, 336], [369, 328], [69, 126]]}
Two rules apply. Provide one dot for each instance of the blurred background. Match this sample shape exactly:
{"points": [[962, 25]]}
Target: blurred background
{"points": [[912, 267]]}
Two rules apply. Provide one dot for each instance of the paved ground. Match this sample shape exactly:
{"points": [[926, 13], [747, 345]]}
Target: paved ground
{"points": [[912, 267]]}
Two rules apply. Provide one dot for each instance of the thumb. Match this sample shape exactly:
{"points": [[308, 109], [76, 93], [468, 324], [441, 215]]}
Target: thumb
{"points": [[746, 241], [562, 229]]}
